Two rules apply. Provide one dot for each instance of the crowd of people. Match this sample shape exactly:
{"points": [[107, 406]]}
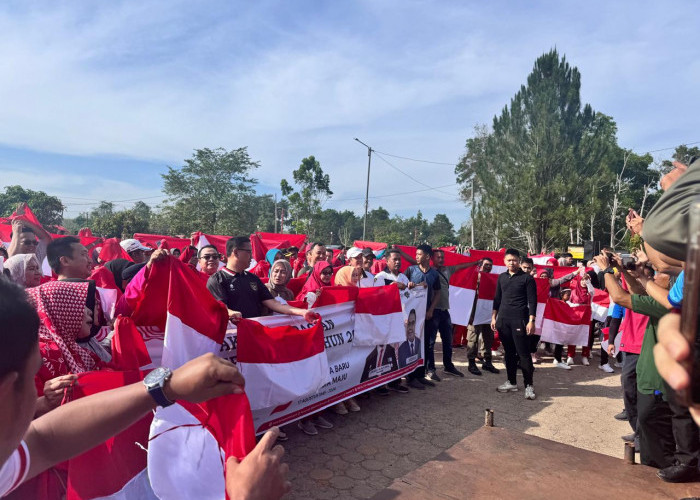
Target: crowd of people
{"points": [[55, 328]]}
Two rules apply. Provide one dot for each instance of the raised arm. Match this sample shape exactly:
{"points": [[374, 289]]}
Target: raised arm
{"points": [[617, 294], [273, 305], [81, 425]]}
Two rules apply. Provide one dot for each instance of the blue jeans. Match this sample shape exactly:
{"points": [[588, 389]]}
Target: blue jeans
{"points": [[441, 322]]}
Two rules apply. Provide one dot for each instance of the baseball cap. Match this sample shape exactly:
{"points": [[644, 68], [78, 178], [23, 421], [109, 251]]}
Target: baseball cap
{"points": [[354, 252], [131, 245], [367, 252]]}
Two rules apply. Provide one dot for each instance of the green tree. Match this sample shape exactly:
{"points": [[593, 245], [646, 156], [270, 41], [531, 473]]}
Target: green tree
{"points": [[48, 209], [212, 192], [106, 222], [535, 169], [441, 232], [313, 189]]}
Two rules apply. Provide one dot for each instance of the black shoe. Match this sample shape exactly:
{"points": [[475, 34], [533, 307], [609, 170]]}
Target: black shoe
{"points": [[473, 369], [629, 437], [433, 376], [622, 415], [382, 391], [453, 371], [679, 473], [400, 388], [490, 368], [415, 384], [425, 381]]}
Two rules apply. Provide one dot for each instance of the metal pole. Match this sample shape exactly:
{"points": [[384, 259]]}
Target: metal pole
{"points": [[629, 453], [276, 212], [488, 418], [369, 164], [472, 213]]}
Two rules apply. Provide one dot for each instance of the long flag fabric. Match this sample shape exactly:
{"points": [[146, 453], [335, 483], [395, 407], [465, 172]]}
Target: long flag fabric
{"points": [[564, 324], [462, 293], [378, 316]]}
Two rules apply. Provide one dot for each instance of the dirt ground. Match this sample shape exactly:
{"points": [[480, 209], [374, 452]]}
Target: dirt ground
{"points": [[395, 434]]}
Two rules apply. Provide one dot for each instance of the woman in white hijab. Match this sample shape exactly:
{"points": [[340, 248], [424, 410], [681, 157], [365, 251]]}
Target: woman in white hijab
{"points": [[24, 269]]}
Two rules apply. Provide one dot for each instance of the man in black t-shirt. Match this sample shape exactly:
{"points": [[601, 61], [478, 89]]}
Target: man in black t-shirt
{"points": [[242, 292], [514, 309]]}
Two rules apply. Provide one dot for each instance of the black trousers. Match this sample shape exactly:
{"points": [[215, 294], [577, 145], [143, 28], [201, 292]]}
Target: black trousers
{"points": [[629, 387], [656, 441], [685, 430], [516, 344]]}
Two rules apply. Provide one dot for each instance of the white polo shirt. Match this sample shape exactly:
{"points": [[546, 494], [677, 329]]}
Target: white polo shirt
{"points": [[381, 278]]}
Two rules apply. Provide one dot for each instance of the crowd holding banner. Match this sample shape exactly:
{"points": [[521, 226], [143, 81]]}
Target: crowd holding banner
{"points": [[111, 312]]}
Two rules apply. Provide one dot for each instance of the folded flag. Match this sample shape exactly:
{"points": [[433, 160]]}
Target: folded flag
{"points": [[281, 363], [564, 324], [378, 316], [542, 301]]}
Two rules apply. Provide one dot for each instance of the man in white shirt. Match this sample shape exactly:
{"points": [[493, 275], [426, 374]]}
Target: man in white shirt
{"points": [[392, 274]]}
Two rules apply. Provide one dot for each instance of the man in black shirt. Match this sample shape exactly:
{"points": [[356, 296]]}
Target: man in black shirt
{"points": [[514, 309], [242, 292]]}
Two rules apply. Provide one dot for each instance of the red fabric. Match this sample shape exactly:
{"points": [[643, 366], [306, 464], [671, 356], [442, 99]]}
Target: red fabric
{"points": [[112, 250], [128, 349], [296, 240], [378, 300], [369, 244], [314, 282], [336, 295], [153, 239], [283, 344], [377, 266], [299, 262], [187, 254], [259, 249], [487, 286], [217, 240], [296, 284], [27, 216], [105, 469], [261, 269], [449, 249], [61, 308], [459, 336], [85, 232]]}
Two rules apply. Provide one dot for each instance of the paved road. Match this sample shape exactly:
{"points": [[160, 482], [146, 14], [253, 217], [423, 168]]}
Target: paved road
{"points": [[395, 434]]}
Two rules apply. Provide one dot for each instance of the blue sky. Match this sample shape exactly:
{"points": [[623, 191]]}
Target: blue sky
{"points": [[99, 97]]}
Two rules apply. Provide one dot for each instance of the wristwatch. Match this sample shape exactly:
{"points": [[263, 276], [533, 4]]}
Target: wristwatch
{"points": [[155, 381]]}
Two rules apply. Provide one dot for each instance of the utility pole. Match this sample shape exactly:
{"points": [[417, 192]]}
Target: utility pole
{"points": [[369, 164], [276, 213], [472, 214]]}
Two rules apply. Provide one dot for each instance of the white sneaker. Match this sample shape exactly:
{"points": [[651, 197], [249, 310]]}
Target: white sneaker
{"points": [[340, 409], [585, 362], [535, 359], [308, 427], [530, 392], [562, 365], [321, 422], [607, 368], [555, 362], [617, 364], [507, 387], [570, 361], [352, 405]]}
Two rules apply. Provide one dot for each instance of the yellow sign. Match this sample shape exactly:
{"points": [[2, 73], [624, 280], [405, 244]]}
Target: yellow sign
{"points": [[577, 252]]}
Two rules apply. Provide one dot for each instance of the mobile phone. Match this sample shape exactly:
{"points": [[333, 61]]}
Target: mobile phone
{"points": [[689, 311], [629, 263]]}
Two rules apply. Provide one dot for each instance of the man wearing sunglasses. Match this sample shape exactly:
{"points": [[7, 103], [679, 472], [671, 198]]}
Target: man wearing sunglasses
{"points": [[28, 238], [243, 292], [208, 258]]}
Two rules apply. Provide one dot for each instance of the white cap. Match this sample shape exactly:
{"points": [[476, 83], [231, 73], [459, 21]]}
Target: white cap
{"points": [[354, 252], [131, 245]]}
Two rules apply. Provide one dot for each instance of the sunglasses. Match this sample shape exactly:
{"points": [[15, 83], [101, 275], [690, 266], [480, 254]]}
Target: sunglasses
{"points": [[212, 256], [327, 272], [30, 242]]}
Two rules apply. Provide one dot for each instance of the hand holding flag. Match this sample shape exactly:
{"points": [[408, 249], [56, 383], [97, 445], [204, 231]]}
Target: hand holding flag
{"points": [[204, 378], [261, 474]]}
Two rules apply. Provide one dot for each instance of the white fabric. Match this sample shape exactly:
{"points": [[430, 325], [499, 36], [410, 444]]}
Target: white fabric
{"points": [[181, 341], [138, 487], [386, 275], [13, 472], [277, 383], [198, 473]]}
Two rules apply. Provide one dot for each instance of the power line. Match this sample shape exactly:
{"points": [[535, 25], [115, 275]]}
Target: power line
{"points": [[410, 176], [400, 194], [674, 147], [414, 159]]}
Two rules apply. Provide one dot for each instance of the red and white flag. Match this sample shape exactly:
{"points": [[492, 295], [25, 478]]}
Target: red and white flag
{"points": [[281, 363], [378, 316], [484, 302], [188, 443], [462, 294], [564, 324], [600, 305], [115, 469], [542, 300]]}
